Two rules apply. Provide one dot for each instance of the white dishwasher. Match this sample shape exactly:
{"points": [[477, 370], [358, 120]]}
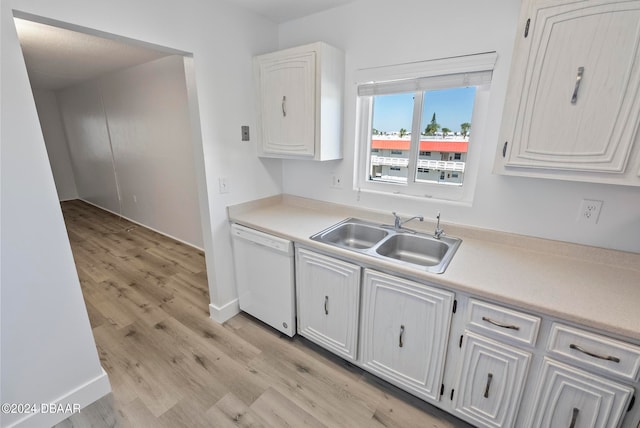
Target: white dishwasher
{"points": [[264, 269]]}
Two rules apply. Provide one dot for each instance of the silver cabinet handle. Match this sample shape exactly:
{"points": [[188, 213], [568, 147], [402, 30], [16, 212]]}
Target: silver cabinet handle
{"points": [[401, 343], [496, 323], [326, 305], [574, 417], [574, 98], [486, 388], [591, 354], [284, 106]]}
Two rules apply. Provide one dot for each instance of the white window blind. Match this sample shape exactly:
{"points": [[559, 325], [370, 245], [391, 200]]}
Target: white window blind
{"points": [[425, 83], [468, 70]]}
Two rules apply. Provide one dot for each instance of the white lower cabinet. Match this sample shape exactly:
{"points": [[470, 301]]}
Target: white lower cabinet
{"points": [[570, 397], [492, 378], [501, 376], [328, 296], [404, 332]]}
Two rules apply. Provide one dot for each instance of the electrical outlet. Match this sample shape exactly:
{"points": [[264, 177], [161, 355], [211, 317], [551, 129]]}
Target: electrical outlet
{"points": [[223, 185], [589, 211], [336, 181], [135, 199]]}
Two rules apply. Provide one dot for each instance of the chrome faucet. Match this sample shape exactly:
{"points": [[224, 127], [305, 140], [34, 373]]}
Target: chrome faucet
{"points": [[398, 222], [438, 232]]}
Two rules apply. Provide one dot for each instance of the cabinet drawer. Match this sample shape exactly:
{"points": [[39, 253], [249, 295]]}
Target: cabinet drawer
{"points": [[594, 351], [502, 323]]}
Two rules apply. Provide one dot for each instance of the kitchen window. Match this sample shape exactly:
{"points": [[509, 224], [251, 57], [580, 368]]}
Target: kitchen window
{"points": [[421, 126]]}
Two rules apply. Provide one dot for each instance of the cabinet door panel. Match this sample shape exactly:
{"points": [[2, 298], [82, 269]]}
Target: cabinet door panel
{"points": [[491, 381], [328, 293], [574, 94], [405, 327], [567, 394], [288, 105]]}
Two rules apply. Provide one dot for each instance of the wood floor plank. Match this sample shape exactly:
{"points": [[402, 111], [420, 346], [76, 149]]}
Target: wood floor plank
{"points": [[221, 420], [96, 319], [100, 414], [187, 413], [331, 403], [278, 411], [143, 373], [123, 305], [136, 414], [238, 413], [210, 364], [108, 308], [398, 409], [326, 374], [216, 336], [188, 259]]}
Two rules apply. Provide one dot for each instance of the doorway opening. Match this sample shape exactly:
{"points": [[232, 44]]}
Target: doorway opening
{"points": [[121, 124]]}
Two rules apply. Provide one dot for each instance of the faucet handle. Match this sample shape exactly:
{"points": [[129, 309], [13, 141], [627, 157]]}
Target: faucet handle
{"points": [[438, 232]]}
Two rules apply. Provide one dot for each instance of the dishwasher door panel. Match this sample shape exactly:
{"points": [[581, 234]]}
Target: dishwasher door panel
{"points": [[265, 280]]}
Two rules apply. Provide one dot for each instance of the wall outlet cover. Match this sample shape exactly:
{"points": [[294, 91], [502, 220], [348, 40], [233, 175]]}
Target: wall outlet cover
{"points": [[336, 181], [589, 211]]}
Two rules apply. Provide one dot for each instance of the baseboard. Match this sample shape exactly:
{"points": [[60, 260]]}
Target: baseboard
{"points": [[84, 395], [225, 312], [143, 225], [68, 199]]}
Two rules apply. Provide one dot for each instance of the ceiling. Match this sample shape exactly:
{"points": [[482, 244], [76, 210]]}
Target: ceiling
{"points": [[56, 57], [280, 11]]}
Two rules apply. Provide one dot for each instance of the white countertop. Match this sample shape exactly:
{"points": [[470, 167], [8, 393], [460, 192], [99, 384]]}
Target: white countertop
{"points": [[595, 287]]}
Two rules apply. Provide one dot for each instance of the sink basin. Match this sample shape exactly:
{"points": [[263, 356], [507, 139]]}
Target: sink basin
{"points": [[416, 249], [401, 246], [353, 234]]}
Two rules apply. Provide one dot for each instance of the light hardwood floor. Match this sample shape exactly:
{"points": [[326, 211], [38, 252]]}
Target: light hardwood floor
{"points": [[170, 365]]}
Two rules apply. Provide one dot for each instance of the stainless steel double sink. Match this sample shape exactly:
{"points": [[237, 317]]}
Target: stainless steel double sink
{"points": [[402, 245]]}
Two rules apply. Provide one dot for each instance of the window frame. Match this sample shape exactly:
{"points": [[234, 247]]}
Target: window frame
{"points": [[441, 71]]}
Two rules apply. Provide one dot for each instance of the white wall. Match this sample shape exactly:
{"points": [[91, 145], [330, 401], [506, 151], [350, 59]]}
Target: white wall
{"points": [[56, 143], [378, 32], [88, 141], [48, 352], [145, 110]]}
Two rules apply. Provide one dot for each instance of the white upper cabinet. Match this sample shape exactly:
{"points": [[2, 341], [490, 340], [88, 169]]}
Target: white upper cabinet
{"points": [[300, 94], [573, 103]]}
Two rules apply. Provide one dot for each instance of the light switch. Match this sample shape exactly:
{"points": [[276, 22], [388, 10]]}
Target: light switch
{"points": [[223, 185], [245, 132]]}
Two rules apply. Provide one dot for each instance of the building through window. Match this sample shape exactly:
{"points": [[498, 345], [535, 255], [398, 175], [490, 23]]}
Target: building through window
{"points": [[437, 151]]}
